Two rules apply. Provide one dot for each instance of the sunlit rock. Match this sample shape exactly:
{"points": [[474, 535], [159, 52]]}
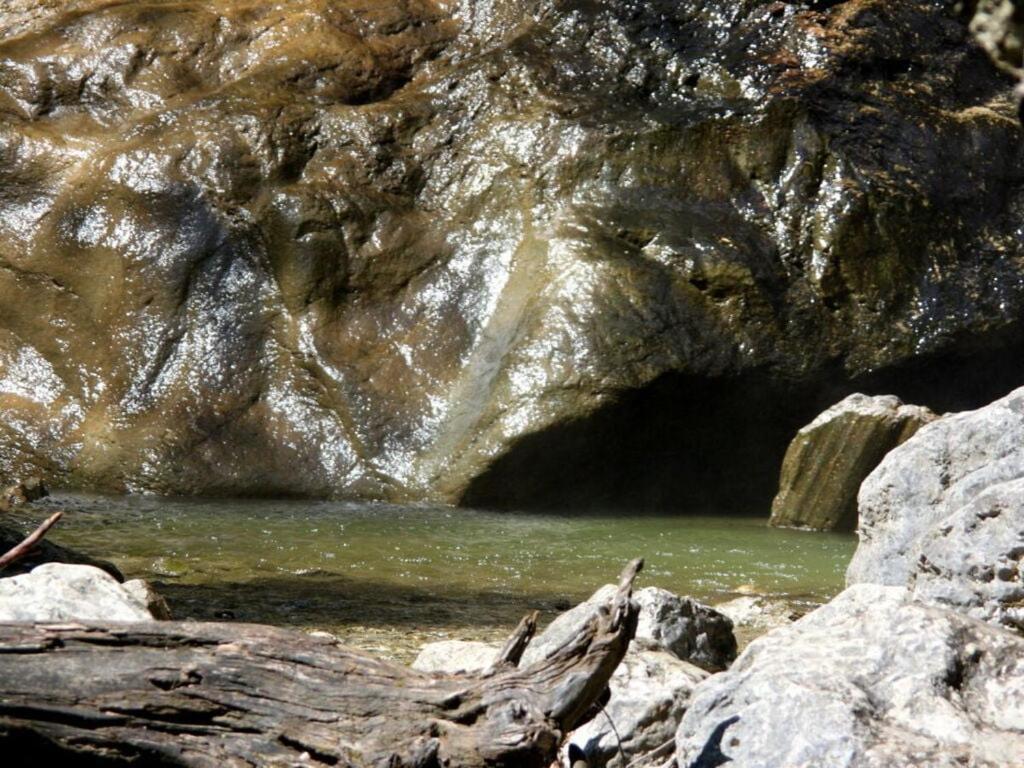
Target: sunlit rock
{"points": [[452, 656], [830, 457], [874, 680], [756, 614], [650, 691], [944, 515], [61, 592], [366, 249], [919, 486]]}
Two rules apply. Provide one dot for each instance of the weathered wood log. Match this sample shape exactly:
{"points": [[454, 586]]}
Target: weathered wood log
{"points": [[199, 694]]}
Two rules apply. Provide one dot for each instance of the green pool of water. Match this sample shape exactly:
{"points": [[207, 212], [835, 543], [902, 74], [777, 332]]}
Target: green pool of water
{"points": [[389, 578]]}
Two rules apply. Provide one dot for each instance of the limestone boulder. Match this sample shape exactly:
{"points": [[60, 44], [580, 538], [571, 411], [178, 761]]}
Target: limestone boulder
{"points": [[971, 560], [918, 488], [873, 679], [56, 592], [830, 457]]}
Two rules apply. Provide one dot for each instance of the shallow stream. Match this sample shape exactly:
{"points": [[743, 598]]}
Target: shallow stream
{"points": [[390, 578]]}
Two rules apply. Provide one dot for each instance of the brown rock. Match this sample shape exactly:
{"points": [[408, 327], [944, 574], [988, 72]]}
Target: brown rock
{"points": [[367, 249], [830, 457]]}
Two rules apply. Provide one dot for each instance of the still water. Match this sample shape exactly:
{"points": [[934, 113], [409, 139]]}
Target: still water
{"points": [[389, 578]]}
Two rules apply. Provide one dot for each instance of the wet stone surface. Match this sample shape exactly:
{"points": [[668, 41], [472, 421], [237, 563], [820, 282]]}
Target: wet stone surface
{"points": [[363, 250]]}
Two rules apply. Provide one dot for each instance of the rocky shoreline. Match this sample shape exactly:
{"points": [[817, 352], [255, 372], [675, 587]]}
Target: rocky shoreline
{"points": [[919, 662], [504, 253]]}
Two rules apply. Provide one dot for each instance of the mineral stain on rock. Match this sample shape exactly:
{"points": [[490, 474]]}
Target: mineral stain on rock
{"points": [[369, 249], [830, 457]]}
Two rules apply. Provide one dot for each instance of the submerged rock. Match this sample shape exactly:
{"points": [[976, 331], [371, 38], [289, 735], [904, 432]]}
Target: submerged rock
{"points": [[61, 592], [919, 488], [830, 457], [874, 680], [687, 629], [368, 249]]}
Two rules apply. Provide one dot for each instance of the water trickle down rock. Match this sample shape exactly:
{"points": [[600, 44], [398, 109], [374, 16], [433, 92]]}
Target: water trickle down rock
{"points": [[830, 457], [364, 250]]}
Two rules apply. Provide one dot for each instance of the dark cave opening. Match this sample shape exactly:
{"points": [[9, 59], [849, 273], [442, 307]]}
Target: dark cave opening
{"points": [[698, 445]]}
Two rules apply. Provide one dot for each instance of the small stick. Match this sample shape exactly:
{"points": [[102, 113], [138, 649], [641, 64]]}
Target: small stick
{"points": [[30, 541]]}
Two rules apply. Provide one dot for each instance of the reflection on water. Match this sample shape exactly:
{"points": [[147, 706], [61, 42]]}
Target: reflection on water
{"points": [[389, 578]]}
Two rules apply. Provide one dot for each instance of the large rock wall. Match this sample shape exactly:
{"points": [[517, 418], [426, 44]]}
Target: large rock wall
{"points": [[363, 249]]}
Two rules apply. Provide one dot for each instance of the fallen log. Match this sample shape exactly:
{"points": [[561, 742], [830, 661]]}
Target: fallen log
{"points": [[212, 694]]}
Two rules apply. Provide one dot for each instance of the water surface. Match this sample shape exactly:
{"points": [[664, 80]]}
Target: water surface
{"points": [[389, 578]]}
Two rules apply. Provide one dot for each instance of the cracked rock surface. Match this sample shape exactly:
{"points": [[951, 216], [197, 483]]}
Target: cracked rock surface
{"points": [[943, 514], [365, 249], [873, 679]]}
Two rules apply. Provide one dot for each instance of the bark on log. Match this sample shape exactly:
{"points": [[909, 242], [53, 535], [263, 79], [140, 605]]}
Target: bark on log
{"points": [[207, 694]]}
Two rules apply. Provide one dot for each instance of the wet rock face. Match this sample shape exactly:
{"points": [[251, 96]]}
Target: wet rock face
{"points": [[830, 457], [356, 249]]}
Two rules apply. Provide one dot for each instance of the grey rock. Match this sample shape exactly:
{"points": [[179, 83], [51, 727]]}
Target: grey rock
{"points": [[871, 680], [756, 613], [971, 560], [829, 459], [142, 592], [682, 626], [933, 475], [62, 592], [451, 656], [650, 691]]}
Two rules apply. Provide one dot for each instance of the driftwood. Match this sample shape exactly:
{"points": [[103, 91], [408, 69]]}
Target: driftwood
{"points": [[197, 694], [22, 549]]}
